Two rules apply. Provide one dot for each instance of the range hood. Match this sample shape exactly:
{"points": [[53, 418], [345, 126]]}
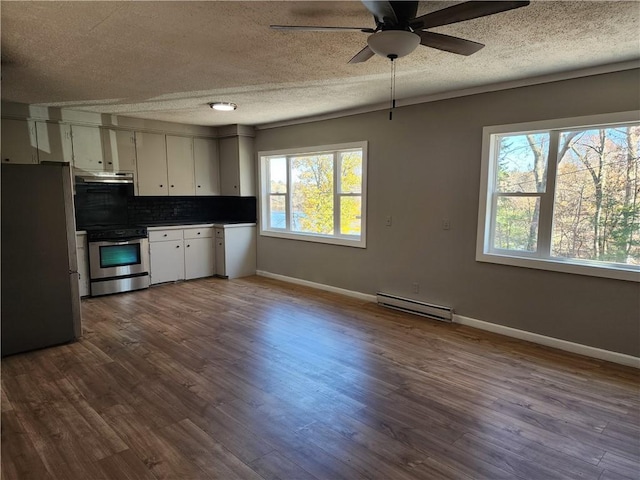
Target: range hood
{"points": [[103, 177]]}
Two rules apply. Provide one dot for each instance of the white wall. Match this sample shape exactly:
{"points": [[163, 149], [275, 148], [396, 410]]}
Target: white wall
{"points": [[424, 166]]}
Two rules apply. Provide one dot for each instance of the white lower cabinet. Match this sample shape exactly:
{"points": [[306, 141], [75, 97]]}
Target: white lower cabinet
{"points": [[235, 250], [181, 253], [83, 263], [167, 261], [199, 253]]}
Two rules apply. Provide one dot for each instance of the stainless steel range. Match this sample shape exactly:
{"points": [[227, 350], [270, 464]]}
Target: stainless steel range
{"points": [[118, 259]]}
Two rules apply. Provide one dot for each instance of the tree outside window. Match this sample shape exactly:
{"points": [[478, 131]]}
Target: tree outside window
{"points": [[568, 195]]}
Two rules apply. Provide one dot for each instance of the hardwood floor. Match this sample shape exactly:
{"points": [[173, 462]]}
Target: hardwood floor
{"points": [[257, 379]]}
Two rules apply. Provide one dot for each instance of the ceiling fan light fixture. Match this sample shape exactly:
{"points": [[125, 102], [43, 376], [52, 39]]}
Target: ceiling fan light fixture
{"points": [[393, 43], [223, 106]]}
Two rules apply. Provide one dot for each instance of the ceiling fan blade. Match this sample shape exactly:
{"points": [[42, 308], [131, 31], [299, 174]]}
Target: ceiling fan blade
{"points": [[464, 11], [382, 11], [309, 28], [363, 55], [448, 43]]}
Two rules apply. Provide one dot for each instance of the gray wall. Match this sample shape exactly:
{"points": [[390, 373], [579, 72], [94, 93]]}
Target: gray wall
{"points": [[425, 166]]}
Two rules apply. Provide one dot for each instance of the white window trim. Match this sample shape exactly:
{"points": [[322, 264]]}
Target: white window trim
{"points": [[529, 260], [343, 240]]}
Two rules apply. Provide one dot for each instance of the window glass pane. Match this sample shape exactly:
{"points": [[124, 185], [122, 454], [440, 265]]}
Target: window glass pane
{"points": [[597, 200], [312, 194], [516, 223], [277, 211], [350, 215], [522, 163], [351, 172], [278, 175]]}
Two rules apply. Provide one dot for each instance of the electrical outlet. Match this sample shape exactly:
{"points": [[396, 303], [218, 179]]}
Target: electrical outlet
{"points": [[387, 220], [416, 288], [446, 224]]}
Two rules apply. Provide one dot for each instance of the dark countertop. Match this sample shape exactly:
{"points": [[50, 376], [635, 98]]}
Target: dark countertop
{"points": [[199, 222]]}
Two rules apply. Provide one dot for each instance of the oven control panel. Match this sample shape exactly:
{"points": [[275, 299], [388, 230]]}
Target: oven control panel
{"points": [[117, 234]]}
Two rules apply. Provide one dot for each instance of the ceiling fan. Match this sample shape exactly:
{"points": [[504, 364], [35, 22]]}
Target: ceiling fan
{"points": [[398, 31]]}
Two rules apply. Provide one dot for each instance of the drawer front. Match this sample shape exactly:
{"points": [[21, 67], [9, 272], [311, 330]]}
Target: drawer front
{"points": [[219, 232], [165, 235], [206, 232]]}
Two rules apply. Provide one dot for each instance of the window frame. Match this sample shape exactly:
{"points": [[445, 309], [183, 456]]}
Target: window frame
{"points": [[542, 259], [265, 195]]}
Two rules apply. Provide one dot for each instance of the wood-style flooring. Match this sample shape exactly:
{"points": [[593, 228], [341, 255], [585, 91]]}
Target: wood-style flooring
{"points": [[258, 379]]}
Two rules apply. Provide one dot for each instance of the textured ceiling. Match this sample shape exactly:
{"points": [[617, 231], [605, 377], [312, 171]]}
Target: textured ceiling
{"points": [[167, 60]]}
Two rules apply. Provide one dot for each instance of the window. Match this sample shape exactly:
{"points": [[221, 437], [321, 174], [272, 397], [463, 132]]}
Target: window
{"points": [[563, 195], [316, 194]]}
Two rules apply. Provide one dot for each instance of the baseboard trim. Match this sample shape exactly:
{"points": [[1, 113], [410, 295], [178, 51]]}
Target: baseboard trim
{"points": [[593, 352], [578, 348], [320, 286]]}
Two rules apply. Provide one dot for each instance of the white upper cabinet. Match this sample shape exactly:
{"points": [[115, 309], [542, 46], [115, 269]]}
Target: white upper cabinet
{"points": [[87, 148], [180, 166], [207, 166], [119, 149], [237, 166], [54, 142], [152, 164], [18, 141]]}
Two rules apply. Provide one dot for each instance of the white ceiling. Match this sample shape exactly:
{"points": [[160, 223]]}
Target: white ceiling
{"points": [[167, 60]]}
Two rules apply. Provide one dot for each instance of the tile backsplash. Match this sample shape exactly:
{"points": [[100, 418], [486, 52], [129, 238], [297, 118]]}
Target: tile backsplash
{"points": [[167, 210], [159, 210]]}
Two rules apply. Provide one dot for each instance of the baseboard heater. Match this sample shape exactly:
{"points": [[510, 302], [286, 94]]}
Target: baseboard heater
{"points": [[436, 312]]}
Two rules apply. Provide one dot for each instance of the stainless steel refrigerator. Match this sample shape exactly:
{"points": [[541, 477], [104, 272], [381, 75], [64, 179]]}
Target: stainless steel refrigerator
{"points": [[40, 295]]}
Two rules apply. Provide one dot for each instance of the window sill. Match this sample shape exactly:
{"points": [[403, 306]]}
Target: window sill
{"points": [[309, 237], [630, 273]]}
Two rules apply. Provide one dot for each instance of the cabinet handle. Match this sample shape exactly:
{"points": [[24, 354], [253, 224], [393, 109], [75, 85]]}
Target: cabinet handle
{"points": [[171, 186], [161, 186], [165, 235], [7, 159], [188, 246], [99, 161], [198, 186], [198, 233], [110, 163], [177, 246]]}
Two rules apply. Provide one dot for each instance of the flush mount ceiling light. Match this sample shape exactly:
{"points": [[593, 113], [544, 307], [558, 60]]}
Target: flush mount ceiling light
{"points": [[223, 106], [393, 43]]}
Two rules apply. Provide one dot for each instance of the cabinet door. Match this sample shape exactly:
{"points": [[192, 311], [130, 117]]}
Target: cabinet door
{"points": [[199, 259], [167, 261], [83, 264], [246, 167], [240, 251], [221, 264], [207, 166], [119, 150], [229, 167], [18, 141], [54, 142], [152, 164], [180, 165], [87, 148]]}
